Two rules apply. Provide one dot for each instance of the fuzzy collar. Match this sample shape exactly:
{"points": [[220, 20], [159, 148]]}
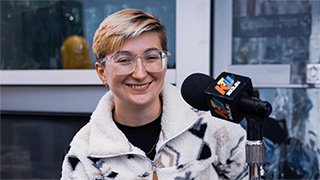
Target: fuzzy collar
{"points": [[105, 139]]}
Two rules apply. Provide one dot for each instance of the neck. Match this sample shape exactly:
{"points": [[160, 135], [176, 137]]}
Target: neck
{"points": [[132, 115]]}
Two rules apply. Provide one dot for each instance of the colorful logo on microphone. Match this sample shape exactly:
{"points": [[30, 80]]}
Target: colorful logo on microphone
{"points": [[226, 85], [221, 109]]}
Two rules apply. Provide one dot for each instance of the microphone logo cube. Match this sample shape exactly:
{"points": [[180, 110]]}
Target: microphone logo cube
{"points": [[224, 96]]}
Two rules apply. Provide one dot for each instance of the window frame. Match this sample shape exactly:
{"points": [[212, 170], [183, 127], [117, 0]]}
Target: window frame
{"points": [[193, 38]]}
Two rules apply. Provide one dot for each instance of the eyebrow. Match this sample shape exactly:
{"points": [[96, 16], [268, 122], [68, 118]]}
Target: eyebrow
{"points": [[149, 49]]}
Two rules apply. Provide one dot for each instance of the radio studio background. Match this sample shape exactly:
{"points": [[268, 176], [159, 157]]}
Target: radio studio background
{"points": [[49, 86]]}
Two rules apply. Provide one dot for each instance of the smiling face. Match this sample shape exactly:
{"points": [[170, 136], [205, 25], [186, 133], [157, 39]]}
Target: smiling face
{"points": [[140, 88]]}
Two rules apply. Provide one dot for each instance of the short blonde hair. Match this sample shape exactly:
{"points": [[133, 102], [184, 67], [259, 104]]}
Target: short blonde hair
{"points": [[124, 24]]}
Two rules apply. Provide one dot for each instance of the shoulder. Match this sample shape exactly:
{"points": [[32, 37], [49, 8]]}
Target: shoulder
{"points": [[222, 132], [80, 141], [217, 124]]}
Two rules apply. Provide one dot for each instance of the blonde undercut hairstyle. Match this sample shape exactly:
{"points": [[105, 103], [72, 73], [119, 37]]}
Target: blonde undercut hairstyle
{"points": [[124, 24]]}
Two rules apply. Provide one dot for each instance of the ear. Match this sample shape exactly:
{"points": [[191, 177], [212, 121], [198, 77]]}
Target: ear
{"points": [[101, 73]]}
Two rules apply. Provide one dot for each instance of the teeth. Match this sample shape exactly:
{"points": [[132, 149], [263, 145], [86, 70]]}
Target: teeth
{"points": [[139, 86]]}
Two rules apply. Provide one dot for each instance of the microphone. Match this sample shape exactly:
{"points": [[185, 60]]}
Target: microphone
{"points": [[230, 97]]}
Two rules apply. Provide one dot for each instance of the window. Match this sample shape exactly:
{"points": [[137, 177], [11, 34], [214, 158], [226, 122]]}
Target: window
{"points": [[33, 32], [273, 43]]}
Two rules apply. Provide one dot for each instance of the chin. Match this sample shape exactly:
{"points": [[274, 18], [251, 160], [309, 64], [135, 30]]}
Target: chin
{"points": [[142, 100]]}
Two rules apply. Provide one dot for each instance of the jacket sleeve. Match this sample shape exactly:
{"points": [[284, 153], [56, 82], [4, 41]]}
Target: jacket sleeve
{"points": [[230, 148]]}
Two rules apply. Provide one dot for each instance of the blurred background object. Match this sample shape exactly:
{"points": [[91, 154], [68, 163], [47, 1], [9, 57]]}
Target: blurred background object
{"points": [[75, 53]]}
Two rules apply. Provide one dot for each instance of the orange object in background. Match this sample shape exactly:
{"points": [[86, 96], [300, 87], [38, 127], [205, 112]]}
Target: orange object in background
{"points": [[75, 53]]}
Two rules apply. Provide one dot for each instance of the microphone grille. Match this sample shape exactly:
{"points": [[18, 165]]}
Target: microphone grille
{"points": [[192, 90]]}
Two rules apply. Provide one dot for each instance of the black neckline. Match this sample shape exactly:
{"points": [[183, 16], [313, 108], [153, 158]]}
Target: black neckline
{"points": [[145, 137], [139, 129]]}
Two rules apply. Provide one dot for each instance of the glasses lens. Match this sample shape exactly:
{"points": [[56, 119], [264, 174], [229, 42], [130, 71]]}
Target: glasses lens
{"points": [[123, 63], [153, 60]]}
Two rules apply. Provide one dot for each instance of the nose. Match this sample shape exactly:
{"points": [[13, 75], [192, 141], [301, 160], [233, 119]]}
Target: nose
{"points": [[140, 71]]}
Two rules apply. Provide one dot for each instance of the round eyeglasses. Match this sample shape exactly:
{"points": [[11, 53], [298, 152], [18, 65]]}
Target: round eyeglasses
{"points": [[124, 63]]}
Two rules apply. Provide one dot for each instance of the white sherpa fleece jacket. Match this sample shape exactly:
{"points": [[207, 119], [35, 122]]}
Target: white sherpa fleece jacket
{"points": [[191, 146]]}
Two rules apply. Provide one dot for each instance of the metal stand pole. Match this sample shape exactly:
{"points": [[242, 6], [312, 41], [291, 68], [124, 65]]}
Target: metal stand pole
{"points": [[255, 158], [255, 153]]}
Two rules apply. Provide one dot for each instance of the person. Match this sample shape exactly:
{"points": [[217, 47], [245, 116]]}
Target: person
{"points": [[142, 128]]}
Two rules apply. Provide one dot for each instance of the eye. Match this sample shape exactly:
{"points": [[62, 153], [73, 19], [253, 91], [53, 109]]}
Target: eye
{"points": [[123, 59], [151, 56]]}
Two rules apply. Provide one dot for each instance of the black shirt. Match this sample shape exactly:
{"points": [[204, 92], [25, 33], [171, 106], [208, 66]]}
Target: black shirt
{"points": [[145, 137]]}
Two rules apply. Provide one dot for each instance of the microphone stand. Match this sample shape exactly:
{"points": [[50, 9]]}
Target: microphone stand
{"points": [[255, 152]]}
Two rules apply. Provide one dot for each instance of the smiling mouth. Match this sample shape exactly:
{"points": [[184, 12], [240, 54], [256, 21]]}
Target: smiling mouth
{"points": [[140, 86]]}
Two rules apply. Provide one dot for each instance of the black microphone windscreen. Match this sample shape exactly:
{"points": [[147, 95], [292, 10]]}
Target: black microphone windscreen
{"points": [[193, 90]]}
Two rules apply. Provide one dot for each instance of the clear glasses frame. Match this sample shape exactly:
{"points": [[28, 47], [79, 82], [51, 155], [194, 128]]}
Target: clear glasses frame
{"points": [[124, 63]]}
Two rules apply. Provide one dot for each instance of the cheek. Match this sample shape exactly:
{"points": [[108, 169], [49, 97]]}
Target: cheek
{"points": [[109, 75], [160, 78], [163, 74]]}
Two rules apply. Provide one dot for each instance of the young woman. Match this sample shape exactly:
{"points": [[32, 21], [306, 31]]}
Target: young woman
{"points": [[142, 128]]}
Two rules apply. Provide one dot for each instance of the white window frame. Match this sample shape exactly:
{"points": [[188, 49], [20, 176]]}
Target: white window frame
{"points": [[192, 53]]}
